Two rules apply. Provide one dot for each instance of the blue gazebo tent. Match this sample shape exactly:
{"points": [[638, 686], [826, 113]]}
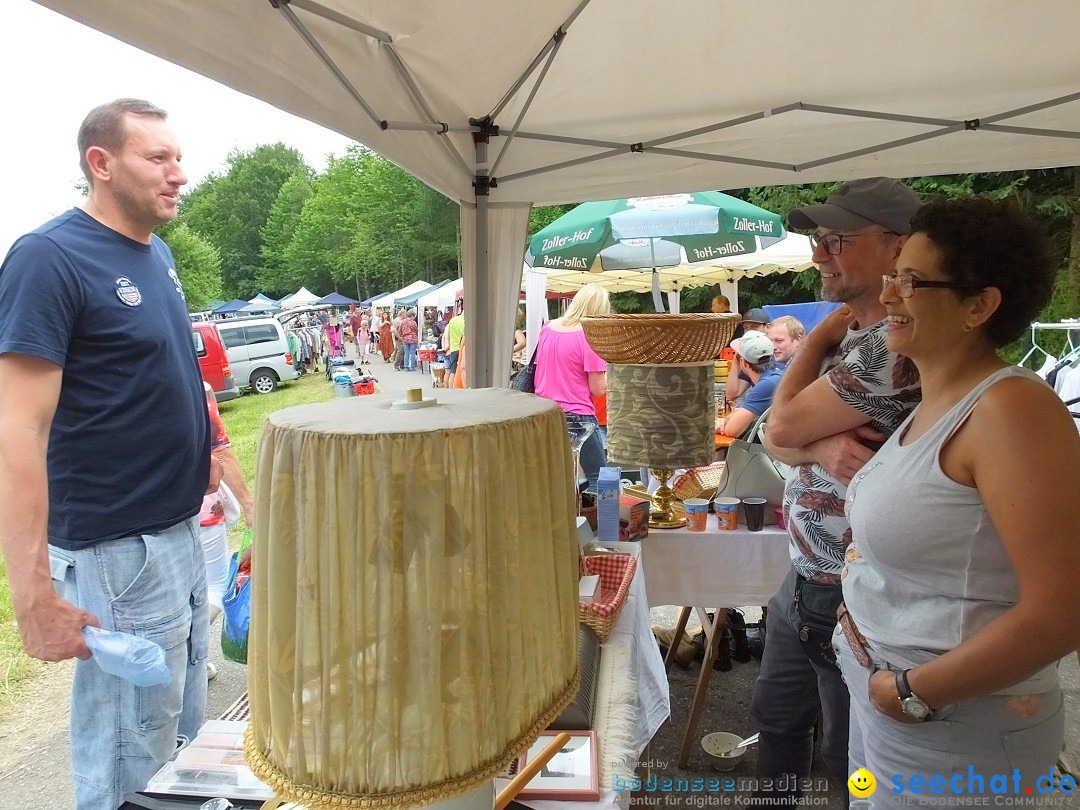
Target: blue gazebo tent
{"points": [[228, 309], [334, 300]]}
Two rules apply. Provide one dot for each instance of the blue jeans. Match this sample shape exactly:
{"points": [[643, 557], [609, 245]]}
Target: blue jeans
{"points": [[592, 452], [152, 586], [410, 357]]}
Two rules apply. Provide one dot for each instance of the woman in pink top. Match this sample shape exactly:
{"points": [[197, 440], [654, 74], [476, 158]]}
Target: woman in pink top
{"points": [[571, 373]]}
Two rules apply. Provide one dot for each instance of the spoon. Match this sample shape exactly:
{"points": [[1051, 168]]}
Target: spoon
{"points": [[751, 740]]}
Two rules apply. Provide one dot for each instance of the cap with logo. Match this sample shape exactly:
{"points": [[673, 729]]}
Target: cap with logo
{"points": [[756, 315], [860, 203], [753, 347]]}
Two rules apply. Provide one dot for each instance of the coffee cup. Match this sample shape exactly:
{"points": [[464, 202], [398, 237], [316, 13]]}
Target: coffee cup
{"points": [[727, 513], [697, 514], [754, 512]]}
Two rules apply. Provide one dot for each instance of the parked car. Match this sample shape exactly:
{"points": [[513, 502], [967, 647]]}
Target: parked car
{"points": [[258, 352], [213, 361]]}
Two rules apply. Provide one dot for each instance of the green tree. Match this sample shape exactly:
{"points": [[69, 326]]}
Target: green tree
{"points": [[276, 277], [197, 263], [231, 210]]}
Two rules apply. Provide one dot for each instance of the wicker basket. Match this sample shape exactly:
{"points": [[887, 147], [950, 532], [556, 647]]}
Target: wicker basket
{"points": [[699, 482], [616, 572], [658, 339]]}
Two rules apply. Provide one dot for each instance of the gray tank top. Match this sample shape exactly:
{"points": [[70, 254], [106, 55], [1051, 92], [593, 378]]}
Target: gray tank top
{"points": [[926, 568]]}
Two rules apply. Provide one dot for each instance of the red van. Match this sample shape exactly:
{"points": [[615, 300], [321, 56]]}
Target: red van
{"points": [[213, 363]]}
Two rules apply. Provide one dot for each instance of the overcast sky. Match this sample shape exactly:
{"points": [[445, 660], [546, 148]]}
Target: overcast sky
{"points": [[55, 70]]}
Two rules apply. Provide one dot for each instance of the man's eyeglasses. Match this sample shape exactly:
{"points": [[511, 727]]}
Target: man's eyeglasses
{"points": [[834, 242], [905, 286]]}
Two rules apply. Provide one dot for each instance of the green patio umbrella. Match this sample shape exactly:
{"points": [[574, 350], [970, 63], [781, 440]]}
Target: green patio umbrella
{"points": [[659, 231]]}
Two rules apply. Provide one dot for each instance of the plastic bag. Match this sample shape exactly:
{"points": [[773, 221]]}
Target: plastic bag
{"points": [[237, 608], [229, 504], [134, 659]]}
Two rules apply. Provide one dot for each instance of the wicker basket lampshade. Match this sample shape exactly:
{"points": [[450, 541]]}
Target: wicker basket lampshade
{"points": [[412, 632], [660, 338]]}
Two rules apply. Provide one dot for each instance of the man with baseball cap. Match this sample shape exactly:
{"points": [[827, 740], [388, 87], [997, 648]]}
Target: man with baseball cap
{"points": [[841, 395], [754, 358], [755, 320]]}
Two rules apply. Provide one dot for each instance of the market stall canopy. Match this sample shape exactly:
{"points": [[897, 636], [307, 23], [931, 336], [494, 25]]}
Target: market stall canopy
{"points": [[335, 300], [792, 253], [264, 299], [233, 306], [301, 298], [443, 297], [573, 100], [411, 299], [255, 306], [389, 299], [984, 84]]}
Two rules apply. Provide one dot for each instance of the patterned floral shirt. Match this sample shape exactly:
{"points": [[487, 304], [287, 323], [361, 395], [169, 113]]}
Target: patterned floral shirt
{"points": [[884, 386]]}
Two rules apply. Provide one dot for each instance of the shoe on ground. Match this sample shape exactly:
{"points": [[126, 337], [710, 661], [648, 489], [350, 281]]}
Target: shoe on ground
{"points": [[684, 654]]}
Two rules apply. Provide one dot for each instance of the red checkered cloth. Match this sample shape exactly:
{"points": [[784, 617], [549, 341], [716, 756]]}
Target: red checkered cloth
{"points": [[616, 571]]}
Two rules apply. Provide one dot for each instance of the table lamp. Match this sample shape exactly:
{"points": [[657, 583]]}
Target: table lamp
{"points": [[414, 620], [661, 417]]}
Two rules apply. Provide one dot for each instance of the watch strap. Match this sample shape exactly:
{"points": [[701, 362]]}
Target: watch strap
{"points": [[902, 687]]}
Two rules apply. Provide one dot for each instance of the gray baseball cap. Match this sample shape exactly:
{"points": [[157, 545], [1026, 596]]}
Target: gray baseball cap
{"points": [[756, 315], [858, 203]]}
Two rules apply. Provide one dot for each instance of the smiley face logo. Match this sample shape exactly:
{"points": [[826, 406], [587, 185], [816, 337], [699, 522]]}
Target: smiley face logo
{"points": [[862, 783]]}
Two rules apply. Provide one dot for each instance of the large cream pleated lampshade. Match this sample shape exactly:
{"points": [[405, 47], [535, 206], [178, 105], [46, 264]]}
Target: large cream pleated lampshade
{"points": [[414, 604]]}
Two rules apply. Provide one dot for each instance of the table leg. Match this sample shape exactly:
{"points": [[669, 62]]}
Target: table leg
{"points": [[680, 628], [714, 631]]}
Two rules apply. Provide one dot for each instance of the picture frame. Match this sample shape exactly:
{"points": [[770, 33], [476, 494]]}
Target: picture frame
{"points": [[572, 774]]}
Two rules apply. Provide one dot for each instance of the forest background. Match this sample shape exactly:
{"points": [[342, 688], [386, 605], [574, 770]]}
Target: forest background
{"points": [[269, 223]]}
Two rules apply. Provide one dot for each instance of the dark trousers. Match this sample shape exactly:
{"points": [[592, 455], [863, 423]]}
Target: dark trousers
{"points": [[799, 679]]}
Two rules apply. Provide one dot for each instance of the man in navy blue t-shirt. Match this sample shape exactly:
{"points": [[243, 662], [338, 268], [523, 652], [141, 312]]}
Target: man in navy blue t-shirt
{"points": [[105, 452]]}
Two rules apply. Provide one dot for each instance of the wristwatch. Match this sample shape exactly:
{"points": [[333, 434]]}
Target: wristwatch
{"points": [[910, 704]]}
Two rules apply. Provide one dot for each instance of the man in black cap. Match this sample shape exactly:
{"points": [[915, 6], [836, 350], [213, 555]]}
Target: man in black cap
{"points": [[755, 320], [841, 395]]}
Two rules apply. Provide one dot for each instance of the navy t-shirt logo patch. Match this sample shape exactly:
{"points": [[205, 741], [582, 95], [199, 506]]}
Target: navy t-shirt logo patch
{"points": [[127, 292]]}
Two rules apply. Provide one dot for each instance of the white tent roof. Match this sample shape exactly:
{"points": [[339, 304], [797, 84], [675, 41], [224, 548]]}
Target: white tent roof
{"points": [[301, 298], [389, 298], [790, 253], [770, 108], [444, 296], [574, 100]]}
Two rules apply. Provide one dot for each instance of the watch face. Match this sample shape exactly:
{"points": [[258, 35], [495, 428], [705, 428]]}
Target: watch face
{"points": [[915, 707]]}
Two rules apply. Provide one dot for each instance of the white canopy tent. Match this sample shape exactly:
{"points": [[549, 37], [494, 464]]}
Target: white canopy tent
{"points": [[388, 299], [301, 298], [503, 105], [443, 297]]}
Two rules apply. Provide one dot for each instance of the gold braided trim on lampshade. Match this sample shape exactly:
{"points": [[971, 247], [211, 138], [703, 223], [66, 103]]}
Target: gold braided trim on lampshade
{"points": [[318, 799]]}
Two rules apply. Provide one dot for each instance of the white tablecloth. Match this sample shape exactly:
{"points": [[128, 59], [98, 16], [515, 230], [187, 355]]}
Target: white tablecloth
{"points": [[714, 568], [632, 640]]}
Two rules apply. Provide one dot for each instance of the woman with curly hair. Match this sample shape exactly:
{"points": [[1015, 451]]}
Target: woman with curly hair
{"points": [[960, 586]]}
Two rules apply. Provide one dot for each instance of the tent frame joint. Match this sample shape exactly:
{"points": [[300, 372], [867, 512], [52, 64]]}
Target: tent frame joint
{"points": [[279, 3], [486, 129], [637, 147], [972, 124]]}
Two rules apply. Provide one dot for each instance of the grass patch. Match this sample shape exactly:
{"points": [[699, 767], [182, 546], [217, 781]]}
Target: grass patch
{"points": [[244, 419]]}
